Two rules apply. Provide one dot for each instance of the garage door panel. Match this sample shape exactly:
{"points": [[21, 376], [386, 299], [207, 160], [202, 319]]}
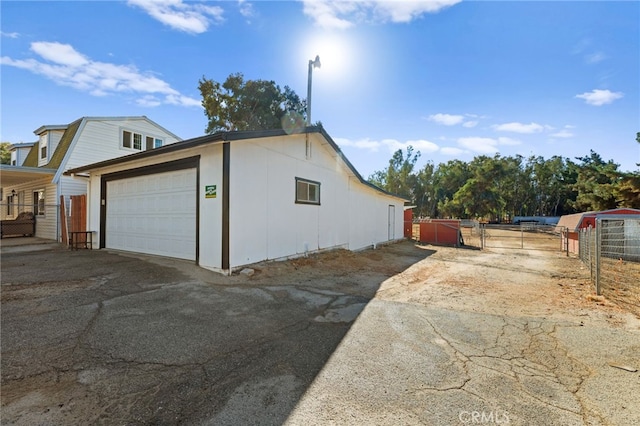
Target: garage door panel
{"points": [[153, 214]]}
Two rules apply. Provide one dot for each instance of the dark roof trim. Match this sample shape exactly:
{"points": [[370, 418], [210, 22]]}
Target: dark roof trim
{"points": [[228, 137]]}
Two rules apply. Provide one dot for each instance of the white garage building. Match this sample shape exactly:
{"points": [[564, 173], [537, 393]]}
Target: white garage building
{"points": [[235, 198]]}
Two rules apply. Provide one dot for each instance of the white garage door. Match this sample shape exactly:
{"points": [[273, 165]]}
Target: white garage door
{"points": [[153, 214]]}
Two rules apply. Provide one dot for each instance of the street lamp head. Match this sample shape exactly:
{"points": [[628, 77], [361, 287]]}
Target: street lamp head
{"points": [[316, 62]]}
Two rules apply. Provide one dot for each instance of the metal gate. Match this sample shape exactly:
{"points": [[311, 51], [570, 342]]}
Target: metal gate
{"points": [[524, 236]]}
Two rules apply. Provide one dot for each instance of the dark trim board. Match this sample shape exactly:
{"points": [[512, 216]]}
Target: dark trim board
{"points": [[226, 165], [171, 166]]}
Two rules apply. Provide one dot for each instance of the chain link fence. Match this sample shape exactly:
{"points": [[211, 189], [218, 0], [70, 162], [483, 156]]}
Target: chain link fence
{"points": [[530, 236], [611, 250]]}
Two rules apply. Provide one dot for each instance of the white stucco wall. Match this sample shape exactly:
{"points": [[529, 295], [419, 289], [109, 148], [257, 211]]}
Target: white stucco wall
{"points": [[210, 224], [268, 224]]}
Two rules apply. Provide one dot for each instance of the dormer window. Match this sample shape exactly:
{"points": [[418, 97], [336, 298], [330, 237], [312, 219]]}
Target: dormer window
{"points": [[43, 151], [153, 142], [43, 147], [133, 140]]}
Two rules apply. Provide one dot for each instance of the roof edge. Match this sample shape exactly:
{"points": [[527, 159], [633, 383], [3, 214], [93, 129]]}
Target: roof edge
{"points": [[228, 137]]}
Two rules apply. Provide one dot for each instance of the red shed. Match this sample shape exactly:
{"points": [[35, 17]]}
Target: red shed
{"points": [[441, 232], [575, 222], [408, 221]]}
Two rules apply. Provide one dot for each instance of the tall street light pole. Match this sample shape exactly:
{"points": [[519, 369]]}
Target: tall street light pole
{"points": [[312, 64]]}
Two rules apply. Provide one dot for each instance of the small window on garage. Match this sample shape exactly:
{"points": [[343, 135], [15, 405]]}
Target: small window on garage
{"points": [[307, 191]]}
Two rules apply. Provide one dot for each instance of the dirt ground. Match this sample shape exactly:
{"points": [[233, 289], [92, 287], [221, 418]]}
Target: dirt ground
{"points": [[326, 295], [504, 279]]}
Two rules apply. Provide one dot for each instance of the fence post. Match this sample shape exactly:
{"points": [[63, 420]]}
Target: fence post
{"points": [[482, 236], [435, 228], [591, 238], [521, 236], [566, 240], [597, 249]]}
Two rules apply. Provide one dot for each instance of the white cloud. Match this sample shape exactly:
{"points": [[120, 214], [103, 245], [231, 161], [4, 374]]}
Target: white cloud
{"points": [[345, 14], [453, 119], [391, 144], [406, 11], [62, 54], [10, 35], [360, 143], [594, 58], [564, 133], [481, 145], [68, 67], [246, 9], [446, 119], [325, 13], [519, 127], [188, 17], [421, 145], [598, 97], [485, 145]]}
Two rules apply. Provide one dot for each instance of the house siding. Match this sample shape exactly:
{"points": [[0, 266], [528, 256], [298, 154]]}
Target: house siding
{"points": [[54, 139], [47, 224], [101, 140]]}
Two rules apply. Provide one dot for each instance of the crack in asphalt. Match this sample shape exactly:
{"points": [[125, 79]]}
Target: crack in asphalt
{"points": [[542, 357]]}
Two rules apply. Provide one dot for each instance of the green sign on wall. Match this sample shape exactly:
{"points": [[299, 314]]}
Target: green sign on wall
{"points": [[210, 191]]}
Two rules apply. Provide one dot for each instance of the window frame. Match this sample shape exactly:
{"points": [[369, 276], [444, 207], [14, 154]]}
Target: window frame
{"points": [[306, 200], [132, 140], [39, 203], [43, 151], [10, 205], [152, 142]]}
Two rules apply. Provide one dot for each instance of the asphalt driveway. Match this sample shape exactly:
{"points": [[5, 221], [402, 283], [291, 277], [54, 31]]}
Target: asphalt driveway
{"points": [[92, 337], [399, 335]]}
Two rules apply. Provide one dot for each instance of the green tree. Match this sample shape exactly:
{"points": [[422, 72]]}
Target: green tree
{"points": [[628, 191], [596, 183], [237, 104], [553, 183], [425, 191], [448, 178], [514, 187], [480, 195], [5, 154], [398, 178]]}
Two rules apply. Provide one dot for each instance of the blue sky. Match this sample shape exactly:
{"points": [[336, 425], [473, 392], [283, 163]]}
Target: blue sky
{"points": [[453, 79]]}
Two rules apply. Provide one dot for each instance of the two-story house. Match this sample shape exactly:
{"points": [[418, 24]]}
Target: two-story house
{"points": [[35, 182]]}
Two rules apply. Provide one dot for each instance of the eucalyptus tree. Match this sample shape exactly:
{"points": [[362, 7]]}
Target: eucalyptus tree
{"points": [[239, 104], [398, 178]]}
